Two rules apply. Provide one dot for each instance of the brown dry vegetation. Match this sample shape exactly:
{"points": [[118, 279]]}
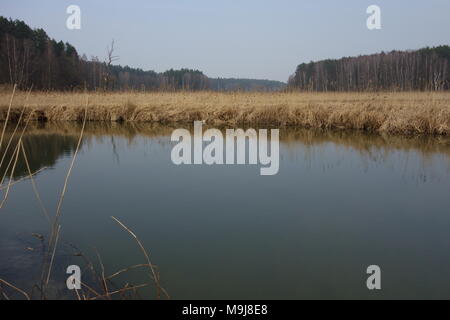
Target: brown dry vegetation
{"points": [[405, 113], [50, 241], [363, 142]]}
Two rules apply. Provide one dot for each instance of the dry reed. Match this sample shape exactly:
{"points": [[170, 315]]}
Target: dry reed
{"points": [[402, 112], [51, 251], [154, 274]]}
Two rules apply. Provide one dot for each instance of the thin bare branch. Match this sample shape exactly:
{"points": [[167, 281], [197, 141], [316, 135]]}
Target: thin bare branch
{"points": [[16, 153], [53, 255], [7, 114], [15, 288], [35, 189], [153, 274], [121, 291]]}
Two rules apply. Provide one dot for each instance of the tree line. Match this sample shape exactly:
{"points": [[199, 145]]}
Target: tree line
{"points": [[233, 84], [423, 69], [31, 58]]}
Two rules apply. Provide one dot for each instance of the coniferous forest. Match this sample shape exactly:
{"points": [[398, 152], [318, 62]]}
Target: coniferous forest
{"points": [[29, 57], [144, 161], [424, 69]]}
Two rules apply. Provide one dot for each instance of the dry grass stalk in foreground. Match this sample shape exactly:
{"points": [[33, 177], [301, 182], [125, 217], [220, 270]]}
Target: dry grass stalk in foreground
{"points": [[154, 274], [403, 112], [55, 227]]}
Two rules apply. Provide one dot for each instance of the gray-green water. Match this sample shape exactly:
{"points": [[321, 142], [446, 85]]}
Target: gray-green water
{"points": [[340, 202]]}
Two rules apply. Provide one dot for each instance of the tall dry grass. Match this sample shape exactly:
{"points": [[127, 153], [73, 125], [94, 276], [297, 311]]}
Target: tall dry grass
{"points": [[405, 112], [51, 243], [425, 144]]}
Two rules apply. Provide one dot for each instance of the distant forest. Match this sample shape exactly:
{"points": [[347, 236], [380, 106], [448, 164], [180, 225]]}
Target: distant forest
{"points": [[30, 57], [424, 69], [232, 84]]}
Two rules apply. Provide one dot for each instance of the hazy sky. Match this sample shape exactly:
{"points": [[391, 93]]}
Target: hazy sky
{"points": [[264, 39]]}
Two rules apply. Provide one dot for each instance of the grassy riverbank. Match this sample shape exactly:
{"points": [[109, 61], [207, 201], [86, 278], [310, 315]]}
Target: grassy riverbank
{"points": [[405, 113]]}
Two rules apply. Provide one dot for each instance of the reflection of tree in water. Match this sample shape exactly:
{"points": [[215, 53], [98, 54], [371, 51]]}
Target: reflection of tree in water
{"points": [[45, 143], [43, 150]]}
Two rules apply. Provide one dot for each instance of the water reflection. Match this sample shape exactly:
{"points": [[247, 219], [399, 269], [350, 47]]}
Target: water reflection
{"points": [[46, 143], [43, 149], [341, 201]]}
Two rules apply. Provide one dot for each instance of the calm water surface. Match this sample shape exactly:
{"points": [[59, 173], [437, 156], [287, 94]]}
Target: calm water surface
{"points": [[340, 202]]}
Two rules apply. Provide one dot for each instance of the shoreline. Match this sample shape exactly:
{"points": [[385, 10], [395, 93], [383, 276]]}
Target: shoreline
{"points": [[406, 113]]}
